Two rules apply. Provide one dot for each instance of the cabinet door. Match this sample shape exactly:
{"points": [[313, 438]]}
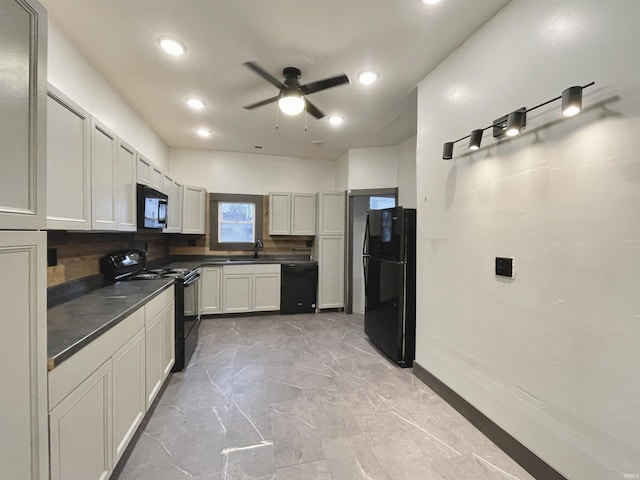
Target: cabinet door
{"points": [[167, 183], [168, 353], [279, 213], [330, 213], [156, 176], [303, 214], [177, 202], [68, 164], [193, 209], [23, 330], [81, 430], [129, 397], [126, 171], [143, 167], [104, 177], [266, 292], [153, 357], [210, 290], [237, 293], [23, 36], [330, 272]]}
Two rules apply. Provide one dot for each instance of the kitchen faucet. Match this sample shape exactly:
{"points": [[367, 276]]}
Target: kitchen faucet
{"points": [[257, 246]]}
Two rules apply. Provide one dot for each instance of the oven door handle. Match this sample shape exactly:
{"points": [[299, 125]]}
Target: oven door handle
{"points": [[192, 280]]}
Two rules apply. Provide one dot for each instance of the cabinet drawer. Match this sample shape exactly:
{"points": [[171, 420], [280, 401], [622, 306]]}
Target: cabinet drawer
{"points": [[67, 376], [155, 306], [253, 268]]}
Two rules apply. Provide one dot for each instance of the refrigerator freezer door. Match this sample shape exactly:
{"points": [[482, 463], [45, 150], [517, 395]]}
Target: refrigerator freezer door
{"points": [[386, 229], [384, 317]]}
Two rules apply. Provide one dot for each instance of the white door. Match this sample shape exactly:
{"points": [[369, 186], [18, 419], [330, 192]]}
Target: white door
{"points": [[153, 357], [126, 171], [210, 285], [104, 177], [168, 352], [266, 292], [237, 292]]}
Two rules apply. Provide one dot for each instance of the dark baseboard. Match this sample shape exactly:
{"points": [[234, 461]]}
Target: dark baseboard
{"points": [[512, 447]]}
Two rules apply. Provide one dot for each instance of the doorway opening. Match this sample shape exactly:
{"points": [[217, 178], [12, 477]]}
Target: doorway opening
{"points": [[360, 202]]}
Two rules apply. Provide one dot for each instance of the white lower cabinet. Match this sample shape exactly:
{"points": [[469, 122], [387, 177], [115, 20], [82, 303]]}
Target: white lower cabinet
{"points": [[250, 288], [23, 357], [237, 292], [329, 252], [99, 396], [80, 430], [129, 397], [210, 287], [266, 291], [160, 333]]}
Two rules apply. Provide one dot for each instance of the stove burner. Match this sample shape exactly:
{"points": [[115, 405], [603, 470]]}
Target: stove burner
{"points": [[146, 276]]}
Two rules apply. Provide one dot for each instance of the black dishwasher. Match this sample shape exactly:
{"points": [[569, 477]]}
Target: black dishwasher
{"points": [[298, 286]]}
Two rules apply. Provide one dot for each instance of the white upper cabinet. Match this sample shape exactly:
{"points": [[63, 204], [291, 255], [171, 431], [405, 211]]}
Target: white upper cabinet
{"points": [[149, 174], [126, 189], [193, 209], [104, 177], [23, 91], [303, 214], [68, 164], [279, 213], [331, 213], [173, 190], [292, 213]]}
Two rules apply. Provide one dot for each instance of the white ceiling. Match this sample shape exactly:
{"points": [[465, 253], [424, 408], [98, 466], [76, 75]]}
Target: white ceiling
{"points": [[402, 39]]}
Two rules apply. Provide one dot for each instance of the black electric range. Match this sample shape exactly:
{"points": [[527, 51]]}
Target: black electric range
{"points": [[131, 265]]}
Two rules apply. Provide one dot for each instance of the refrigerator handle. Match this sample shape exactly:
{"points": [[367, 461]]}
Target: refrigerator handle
{"points": [[365, 242], [365, 268]]}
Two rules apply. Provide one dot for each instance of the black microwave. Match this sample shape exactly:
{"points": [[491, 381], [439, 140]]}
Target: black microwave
{"points": [[152, 208]]}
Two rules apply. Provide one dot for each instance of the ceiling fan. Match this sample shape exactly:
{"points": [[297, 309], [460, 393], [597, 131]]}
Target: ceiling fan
{"points": [[292, 96]]}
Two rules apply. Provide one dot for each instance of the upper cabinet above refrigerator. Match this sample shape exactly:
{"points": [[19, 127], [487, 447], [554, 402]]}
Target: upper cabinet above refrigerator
{"points": [[23, 32]]}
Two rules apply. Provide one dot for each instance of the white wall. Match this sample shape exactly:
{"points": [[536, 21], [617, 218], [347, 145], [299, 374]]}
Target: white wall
{"points": [[374, 167], [229, 172], [407, 173], [553, 355], [71, 73]]}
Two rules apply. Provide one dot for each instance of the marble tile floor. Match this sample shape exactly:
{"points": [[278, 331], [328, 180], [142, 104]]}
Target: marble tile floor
{"points": [[304, 397]]}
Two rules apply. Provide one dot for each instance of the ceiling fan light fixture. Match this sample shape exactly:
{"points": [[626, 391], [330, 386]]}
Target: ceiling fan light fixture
{"points": [[172, 46], [368, 77], [336, 120], [430, 2], [291, 103], [195, 103]]}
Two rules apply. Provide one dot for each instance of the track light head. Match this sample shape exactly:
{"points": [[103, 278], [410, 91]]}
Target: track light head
{"points": [[475, 139], [572, 101], [516, 121], [447, 151]]}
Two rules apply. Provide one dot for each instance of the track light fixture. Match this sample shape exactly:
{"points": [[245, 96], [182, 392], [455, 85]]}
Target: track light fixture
{"points": [[513, 123]]}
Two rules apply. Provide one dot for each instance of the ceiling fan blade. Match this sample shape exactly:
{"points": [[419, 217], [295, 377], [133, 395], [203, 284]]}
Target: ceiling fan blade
{"points": [[264, 74], [324, 84], [263, 102], [313, 110]]}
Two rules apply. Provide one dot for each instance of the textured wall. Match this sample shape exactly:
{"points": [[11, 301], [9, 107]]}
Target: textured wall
{"points": [[551, 356]]}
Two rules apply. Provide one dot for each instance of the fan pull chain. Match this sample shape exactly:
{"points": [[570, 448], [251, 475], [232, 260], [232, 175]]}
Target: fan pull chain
{"points": [[306, 128], [277, 116]]}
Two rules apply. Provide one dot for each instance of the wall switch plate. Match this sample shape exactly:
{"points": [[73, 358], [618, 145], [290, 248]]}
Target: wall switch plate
{"points": [[504, 267]]}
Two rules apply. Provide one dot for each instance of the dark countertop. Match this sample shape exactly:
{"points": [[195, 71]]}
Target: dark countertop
{"points": [[75, 324], [210, 260]]}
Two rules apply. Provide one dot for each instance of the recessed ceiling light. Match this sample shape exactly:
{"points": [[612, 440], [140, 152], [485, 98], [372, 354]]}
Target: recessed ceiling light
{"points": [[368, 77], [195, 103], [203, 132], [431, 2], [172, 46], [335, 119]]}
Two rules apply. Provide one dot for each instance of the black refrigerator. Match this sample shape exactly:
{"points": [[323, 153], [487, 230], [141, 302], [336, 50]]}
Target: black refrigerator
{"points": [[389, 258]]}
